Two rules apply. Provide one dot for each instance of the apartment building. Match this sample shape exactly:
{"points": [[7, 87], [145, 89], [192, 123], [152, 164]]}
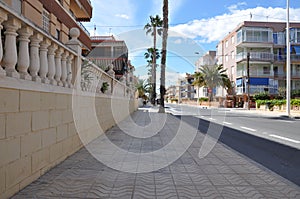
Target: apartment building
{"points": [[56, 17], [107, 50], [265, 43]]}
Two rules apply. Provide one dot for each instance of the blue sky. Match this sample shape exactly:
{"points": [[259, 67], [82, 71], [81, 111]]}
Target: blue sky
{"points": [[195, 26]]}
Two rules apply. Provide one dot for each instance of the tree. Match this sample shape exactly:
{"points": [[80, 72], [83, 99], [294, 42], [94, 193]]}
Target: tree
{"points": [[214, 76], [154, 27], [164, 55], [143, 88], [198, 81], [149, 54]]}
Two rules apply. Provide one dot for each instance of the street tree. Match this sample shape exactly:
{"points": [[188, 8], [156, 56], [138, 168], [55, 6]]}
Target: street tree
{"points": [[164, 55], [154, 28]]}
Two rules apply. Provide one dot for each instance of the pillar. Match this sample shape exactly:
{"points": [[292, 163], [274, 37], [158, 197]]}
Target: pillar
{"points": [[64, 73], [10, 57], [3, 17], [57, 76], [35, 56], [51, 63], [24, 58], [69, 70], [44, 60]]}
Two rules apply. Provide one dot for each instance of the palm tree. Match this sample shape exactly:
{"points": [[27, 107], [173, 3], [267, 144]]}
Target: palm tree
{"points": [[154, 27], [149, 54], [164, 55], [198, 81], [143, 88], [214, 76]]}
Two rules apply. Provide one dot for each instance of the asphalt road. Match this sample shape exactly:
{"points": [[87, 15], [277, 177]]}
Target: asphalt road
{"points": [[279, 129], [271, 141]]}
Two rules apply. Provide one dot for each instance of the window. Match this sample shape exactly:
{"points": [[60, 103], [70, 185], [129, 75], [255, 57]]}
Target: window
{"points": [[57, 36], [46, 20], [266, 70], [226, 44], [226, 57], [232, 39], [17, 5], [232, 54]]}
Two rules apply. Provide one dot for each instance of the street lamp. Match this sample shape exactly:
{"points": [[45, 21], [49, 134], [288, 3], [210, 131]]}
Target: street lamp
{"points": [[248, 78], [288, 65]]}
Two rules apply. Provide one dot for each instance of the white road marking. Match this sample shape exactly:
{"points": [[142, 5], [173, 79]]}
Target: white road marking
{"points": [[212, 118], [249, 129], [227, 123], [286, 121], [265, 133], [285, 138]]}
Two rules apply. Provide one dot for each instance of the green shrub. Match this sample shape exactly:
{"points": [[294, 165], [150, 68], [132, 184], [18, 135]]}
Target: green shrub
{"points": [[203, 99], [261, 96], [295, 102]]}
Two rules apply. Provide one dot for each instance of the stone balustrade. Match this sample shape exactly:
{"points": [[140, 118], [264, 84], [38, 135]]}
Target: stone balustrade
{"points": [[28, 53], [93, 77]]}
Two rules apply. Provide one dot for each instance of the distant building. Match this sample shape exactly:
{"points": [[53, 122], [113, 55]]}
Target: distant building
{"points": [[107, 50], [266, 44], [184, 88]]}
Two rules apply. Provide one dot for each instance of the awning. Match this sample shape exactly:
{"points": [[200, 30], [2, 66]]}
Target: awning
{"points": [[259, 81]]}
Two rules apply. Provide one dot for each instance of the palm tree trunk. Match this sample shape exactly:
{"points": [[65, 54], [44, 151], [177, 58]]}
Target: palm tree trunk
{"points": [[164, 55], [154, 66]]}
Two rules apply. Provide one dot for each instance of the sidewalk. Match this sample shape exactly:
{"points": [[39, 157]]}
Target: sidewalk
{"points": [[223, 173]]}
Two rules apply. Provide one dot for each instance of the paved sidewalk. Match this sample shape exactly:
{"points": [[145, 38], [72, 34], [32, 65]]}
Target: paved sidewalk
{"points": [[223, 173]]}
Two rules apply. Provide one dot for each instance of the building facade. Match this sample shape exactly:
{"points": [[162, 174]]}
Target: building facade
{"points": [[265, 45], [107, 50]]}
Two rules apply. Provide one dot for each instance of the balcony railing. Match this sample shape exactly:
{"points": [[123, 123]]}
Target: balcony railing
{"points": [[255, 56]]}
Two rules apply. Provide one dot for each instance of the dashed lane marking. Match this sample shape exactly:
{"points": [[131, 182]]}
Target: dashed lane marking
{"points": [[249, 129], [285, 138]]}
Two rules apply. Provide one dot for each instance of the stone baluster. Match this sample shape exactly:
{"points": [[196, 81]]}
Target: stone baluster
{"points": [[58, 53], [64, 72], [44, 60], [51, 63], [10, 57], [35, 56], [3, 17], [23, 57], [69, 70]]}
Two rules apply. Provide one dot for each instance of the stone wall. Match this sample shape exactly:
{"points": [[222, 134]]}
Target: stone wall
{"points": [[37, 131]]}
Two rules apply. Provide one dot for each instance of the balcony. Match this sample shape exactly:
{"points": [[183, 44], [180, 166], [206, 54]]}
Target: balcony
{"points": [[255, 56]]}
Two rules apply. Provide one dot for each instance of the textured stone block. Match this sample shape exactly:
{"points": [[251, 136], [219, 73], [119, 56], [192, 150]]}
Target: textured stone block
{"points": [[18, 123], [9, 100], [62, 132], [48, 101], [40, 120], [55, 151], [9, 150], [30, 101], [48, 137], [30, 143], [61, 101], [2, 126], [55, 118], [2, 180], [67, 116], [17, 171], [40, 159]]}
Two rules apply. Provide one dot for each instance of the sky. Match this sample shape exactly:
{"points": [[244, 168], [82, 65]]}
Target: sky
{"points": [[195, 26]]}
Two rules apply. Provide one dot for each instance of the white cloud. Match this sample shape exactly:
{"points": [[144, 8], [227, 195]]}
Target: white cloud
{"points": [[235, 6], [215, 28], [122, 16]]}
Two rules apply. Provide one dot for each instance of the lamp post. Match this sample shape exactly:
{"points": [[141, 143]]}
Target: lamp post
{"points": [[288, 65], [248, 80]]}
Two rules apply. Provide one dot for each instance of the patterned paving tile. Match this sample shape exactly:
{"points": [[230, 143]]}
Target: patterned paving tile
{"points": [[146, 191]]}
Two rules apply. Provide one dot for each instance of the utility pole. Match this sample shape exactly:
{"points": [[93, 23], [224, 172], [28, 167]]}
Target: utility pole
{"points": [[248, 80], [288, 65]]}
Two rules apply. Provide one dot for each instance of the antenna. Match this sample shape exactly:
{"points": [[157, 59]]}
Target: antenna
{"points": [[250, 16], [95, 29]]}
